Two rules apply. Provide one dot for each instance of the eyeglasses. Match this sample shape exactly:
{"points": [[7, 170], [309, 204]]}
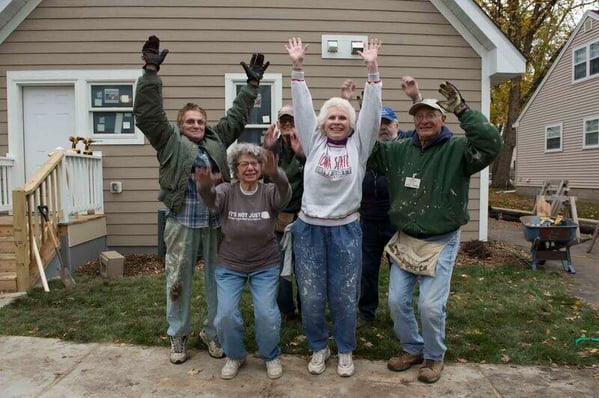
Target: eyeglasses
{"points": [[245, 165], [191, 122], [428, 116]]}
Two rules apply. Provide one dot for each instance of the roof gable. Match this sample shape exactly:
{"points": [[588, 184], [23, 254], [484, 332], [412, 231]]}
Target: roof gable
{"points": [[502, 61], [593, 14]]}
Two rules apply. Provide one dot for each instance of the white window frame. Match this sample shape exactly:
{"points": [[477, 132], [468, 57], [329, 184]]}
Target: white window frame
{"points": [[587, 61], [585, 132], [275, 80], [561, 137], [81, 81]]}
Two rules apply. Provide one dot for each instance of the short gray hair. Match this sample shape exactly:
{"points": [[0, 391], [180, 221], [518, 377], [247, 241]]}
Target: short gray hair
{"points": [[336, 102], [242, 148]]}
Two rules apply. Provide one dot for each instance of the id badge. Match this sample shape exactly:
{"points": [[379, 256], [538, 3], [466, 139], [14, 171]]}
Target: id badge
{"points": [[412, 182]]}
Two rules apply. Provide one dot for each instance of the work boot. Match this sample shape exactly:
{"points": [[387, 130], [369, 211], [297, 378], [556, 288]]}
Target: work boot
{"points": [[404, 361], [178, 350], [214, 349], [231, 368], [430, 371], [345, 367], [274, 369], [318, 364]]}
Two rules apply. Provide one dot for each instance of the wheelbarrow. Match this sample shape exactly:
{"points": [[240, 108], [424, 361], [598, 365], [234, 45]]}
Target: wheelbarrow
{"points": [[549, 241]]}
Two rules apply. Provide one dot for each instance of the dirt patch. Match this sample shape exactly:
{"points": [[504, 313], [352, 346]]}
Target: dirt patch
{"points": [[492, 254], [489, 254], [135, 264]]}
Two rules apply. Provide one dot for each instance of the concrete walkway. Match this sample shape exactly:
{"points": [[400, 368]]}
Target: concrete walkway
{"points": [[36, 367]]}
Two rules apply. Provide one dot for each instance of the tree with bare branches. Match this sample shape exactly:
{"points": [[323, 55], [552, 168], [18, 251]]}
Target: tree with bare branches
{"points": [[538, 29]]}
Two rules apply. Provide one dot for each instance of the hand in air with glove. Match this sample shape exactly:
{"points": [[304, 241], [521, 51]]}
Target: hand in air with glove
{"points": [[455, 102], [152, 55], [255, 70]]}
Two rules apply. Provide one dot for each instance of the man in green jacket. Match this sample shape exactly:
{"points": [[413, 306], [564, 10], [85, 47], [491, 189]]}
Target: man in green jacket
{"points": [[428, 180], [180, 148]]}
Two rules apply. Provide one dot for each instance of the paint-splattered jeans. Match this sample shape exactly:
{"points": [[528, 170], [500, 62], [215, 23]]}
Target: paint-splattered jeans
{"points": [[432, 302], [229, 322], [182, 245], [328, 264]]}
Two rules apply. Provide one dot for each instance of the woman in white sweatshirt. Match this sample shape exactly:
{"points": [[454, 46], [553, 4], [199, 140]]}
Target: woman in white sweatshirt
{"points": [[327, 234]]}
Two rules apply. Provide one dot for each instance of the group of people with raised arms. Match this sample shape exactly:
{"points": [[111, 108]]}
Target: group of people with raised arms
{"points": [[308, 184]]}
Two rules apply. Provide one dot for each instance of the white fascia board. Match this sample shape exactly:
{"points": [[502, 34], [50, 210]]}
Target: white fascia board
{"points": [[503, 59], [14, 23]]}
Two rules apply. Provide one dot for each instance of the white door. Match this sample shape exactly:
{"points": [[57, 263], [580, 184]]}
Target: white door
{"points": [[48, 121]]}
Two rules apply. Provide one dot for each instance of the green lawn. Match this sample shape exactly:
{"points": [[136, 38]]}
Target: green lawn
{"points": [[495, 314]]}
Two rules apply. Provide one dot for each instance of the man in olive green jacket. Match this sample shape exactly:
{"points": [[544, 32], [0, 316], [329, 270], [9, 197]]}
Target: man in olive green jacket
{"points": [[180, 148]]}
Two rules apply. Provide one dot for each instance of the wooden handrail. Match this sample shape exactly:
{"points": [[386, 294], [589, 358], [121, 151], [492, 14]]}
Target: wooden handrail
{"points": [[42, 189]]}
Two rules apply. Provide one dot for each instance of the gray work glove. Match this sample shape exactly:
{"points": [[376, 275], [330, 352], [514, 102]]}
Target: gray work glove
{"points": [[455, 103], [151, 53], [255, 70]]}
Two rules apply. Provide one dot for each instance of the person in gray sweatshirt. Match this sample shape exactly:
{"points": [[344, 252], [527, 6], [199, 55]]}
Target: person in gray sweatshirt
{"points": [[327, 239]]}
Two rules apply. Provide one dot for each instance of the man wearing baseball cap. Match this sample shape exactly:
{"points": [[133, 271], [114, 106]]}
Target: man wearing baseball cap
{"points": [[291, 160], [374, 214], [429, 180]]}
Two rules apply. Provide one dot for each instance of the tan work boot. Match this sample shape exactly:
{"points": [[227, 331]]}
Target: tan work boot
{"points": [[430, 371], [404, 361]]}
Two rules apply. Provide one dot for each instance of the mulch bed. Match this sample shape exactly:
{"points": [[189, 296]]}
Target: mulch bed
{"points": [[488, 254]]}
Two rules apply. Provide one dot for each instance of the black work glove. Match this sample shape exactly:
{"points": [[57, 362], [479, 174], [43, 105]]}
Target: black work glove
{"points": [[150, 52], [455, 103], [255, 70]]}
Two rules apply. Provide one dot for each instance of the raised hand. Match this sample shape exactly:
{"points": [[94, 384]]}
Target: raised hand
{"points": [[409, 85], [296, 51], [296, 146], [371, 51], [348, 90], [270, 138], [151, 53], [203, 176], [271, 163], [455, 102], [255, 70]]}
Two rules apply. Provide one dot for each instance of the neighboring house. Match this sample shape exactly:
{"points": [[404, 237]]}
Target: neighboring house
{"points": [[558, 129], [69, 68]]}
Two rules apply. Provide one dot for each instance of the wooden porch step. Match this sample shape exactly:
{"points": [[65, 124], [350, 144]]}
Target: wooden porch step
{"points": [[7, 244], [8, 282], [6, 226], [8, 262]]}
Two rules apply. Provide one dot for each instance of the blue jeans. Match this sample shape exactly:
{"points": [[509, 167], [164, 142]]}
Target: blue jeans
{"points": [[432, 302], [285, 295], [229, 322], [328, 265], [181, 256], [375, 235]]}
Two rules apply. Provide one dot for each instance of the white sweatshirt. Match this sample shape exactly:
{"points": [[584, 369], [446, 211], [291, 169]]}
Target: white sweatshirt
{"points": [[333, 174]]}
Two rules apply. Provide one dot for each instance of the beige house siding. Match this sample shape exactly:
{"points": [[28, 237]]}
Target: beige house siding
{"points": [[208, 39], [560, 101]]}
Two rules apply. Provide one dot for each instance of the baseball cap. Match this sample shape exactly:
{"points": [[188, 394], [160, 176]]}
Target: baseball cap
{"points": [[387, 113], [427, 102], [285, 110]]}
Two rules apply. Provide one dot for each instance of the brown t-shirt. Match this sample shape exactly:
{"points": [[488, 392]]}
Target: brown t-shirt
{"points": [[248, 223]]}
